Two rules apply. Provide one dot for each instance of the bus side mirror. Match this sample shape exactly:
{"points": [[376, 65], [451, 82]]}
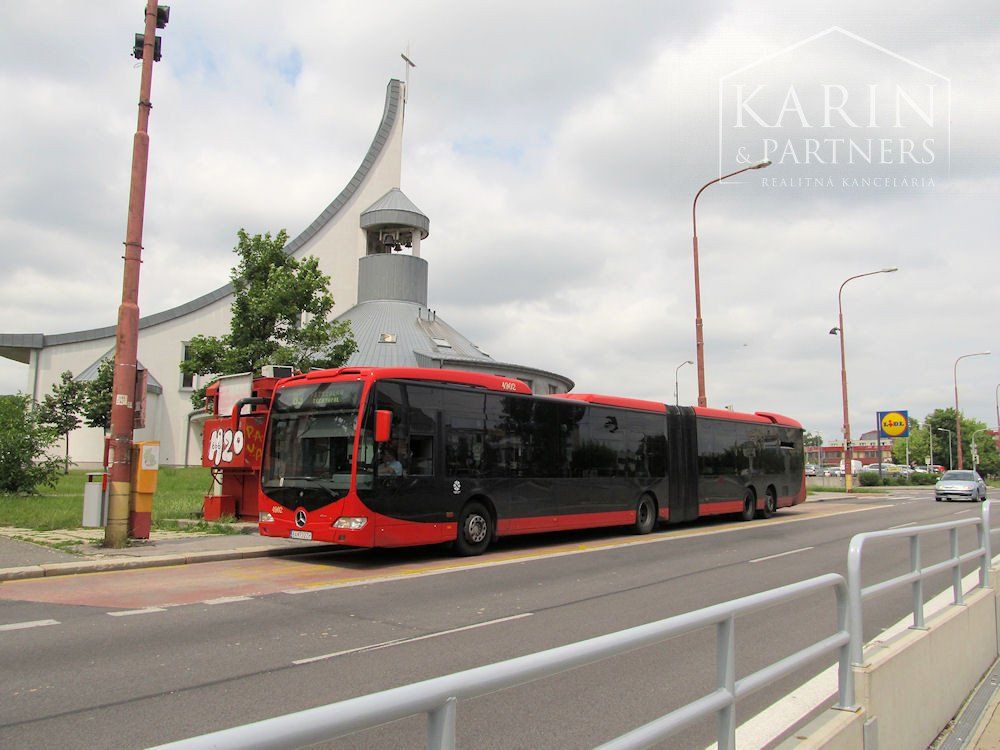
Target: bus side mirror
{"points": [[383, 425]]}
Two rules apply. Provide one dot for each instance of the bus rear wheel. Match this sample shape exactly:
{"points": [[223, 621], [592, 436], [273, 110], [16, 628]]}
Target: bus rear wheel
{"points": [[645, 515], [475, 530], [770, 504], [749, 506]]}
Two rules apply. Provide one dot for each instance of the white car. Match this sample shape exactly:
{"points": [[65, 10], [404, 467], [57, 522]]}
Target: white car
{"points": [[960, 485]]}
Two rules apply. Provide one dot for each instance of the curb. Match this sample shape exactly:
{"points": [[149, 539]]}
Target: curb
{"points": [[154, 561]]}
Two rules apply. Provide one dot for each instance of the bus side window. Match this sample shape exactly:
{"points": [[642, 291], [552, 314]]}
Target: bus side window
{"points": [[424, 406], [392, 398]]}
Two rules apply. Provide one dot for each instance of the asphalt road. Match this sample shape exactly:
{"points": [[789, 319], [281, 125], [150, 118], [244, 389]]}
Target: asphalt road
{"points": [[135, 658]]}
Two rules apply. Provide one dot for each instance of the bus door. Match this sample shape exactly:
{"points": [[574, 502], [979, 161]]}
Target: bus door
{"points": [[530, 444], [406, 472], [682, 467]]}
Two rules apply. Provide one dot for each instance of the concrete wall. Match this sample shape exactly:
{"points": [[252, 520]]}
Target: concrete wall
{"points": [[911, 687]]}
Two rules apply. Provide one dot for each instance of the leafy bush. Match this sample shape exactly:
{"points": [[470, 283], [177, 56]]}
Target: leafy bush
{"points": [[24, 439], [872, 479]]}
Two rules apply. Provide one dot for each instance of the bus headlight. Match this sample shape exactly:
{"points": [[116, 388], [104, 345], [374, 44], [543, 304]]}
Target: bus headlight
{"points": [[349, 522], [266, 518]]}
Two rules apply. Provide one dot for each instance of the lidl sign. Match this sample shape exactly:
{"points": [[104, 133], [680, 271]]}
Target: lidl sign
{"points": [[894, 424]]}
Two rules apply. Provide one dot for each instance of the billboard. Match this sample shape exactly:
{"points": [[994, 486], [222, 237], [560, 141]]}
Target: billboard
{"points": [[893, 424]]}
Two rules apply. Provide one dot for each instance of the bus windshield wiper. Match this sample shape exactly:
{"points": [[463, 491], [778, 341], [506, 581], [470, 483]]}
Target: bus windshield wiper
{"points": [[313, 482]]}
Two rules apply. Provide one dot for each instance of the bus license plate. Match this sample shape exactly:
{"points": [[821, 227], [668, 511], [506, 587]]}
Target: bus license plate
{"points": [[295, 534]]}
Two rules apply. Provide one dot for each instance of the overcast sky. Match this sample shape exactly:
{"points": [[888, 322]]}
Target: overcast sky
{"points": [[556, 148]]}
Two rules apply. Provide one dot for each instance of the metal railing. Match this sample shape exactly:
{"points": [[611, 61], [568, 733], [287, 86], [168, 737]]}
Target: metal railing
{"points": [[438, 697], [915, 577]]}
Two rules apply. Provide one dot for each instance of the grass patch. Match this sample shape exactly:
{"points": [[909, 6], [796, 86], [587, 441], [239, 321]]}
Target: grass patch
{"points": [[179, 494], [222, 526]]}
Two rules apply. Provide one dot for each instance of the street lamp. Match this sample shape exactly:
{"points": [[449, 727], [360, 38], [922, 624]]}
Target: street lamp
{"points": [[839, 329], [699, 339], [958, 416], [951, 462], [975, 453], [677, 370]]}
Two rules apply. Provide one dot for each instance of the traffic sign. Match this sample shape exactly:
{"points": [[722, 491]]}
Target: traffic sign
{"points": [[894, 424]]}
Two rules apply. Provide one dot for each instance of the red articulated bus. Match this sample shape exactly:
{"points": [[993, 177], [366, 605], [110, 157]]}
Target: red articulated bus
{"points": [[379, 457]]}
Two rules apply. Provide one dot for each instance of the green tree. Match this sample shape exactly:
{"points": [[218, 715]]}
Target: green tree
{"points": [[96, 407], [61, 409], [933, 425], [280, 315], [24, 442], [810, 439]]}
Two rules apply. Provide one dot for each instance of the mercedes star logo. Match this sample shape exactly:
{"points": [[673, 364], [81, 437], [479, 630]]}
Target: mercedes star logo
{"points": [[300, 518]]}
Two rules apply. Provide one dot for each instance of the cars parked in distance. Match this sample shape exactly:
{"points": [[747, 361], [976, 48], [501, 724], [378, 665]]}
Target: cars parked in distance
{"points": [[811, 470], [833, 471], [960, 485]]}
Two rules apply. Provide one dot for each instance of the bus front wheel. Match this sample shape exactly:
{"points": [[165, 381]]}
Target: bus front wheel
{"points": [[475, 530], [749, 506]]}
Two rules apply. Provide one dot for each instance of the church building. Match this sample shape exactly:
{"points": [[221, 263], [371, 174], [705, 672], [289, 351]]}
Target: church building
{"points": [[368, 240]]}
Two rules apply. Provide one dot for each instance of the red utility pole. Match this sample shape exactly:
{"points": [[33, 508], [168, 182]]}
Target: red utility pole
{"points": [[698, 336], [848, 451], [127, 333]]}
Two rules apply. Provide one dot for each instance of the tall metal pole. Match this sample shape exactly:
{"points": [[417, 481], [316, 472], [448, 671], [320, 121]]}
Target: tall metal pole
{"points": [[127, 334], [997, 402], [848, 453], [698, 333], [958, 415]]}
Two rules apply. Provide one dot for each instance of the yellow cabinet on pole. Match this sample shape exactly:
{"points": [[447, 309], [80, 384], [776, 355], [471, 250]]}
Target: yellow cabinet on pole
{"points": [[145, 471]]}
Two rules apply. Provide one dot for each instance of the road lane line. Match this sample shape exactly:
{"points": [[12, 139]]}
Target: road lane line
{"points": [[228, 599], [401, 641], [903, 525], [26, 625], [781, 554], [146, 611], [961, 512]]}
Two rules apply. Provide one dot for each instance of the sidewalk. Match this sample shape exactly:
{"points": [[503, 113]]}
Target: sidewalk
{"points": [[25, 553]]}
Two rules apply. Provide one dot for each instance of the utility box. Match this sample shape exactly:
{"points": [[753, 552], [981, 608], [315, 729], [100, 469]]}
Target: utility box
{"points": [[95, 500], [145, 471]]}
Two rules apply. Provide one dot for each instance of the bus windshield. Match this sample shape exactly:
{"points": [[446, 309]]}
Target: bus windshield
{"points": [[311, 440]]}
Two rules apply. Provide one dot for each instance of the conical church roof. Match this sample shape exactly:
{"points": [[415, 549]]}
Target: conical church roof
{"points": [[394, 209]]}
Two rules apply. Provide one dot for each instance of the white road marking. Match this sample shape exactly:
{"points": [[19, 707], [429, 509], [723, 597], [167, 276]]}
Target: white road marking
{"points": [[961, 512], [26, 625], [400, 641], [903, 525], [228, 599], [146, 611], [781, 554]]}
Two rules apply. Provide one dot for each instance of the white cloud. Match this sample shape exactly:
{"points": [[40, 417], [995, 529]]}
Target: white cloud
{"points": [[556, 151]]}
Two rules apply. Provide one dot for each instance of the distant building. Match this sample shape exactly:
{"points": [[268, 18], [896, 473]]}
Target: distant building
{"points": [[865, 449], [361, 240]]}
